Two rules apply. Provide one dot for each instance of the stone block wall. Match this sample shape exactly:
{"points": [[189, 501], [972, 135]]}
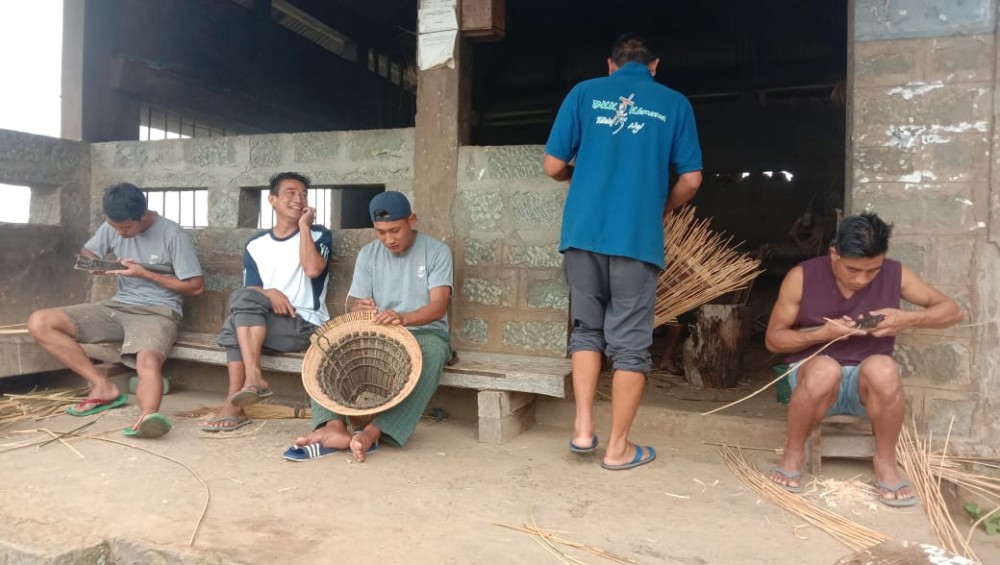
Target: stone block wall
{"points": [[36, 259], [232, 169], [510, 291], [922, 154]]}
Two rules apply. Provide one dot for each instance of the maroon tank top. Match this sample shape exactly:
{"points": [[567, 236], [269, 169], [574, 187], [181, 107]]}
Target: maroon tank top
{"points": [[822, 298]]}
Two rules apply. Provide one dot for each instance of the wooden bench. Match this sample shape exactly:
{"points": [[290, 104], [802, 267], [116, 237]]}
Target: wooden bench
{"points": [[841, 435], [507, 384]]}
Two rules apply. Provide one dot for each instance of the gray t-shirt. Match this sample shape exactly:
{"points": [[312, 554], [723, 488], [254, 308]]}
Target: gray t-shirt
{"points": [[403, 282], [164, 243]]}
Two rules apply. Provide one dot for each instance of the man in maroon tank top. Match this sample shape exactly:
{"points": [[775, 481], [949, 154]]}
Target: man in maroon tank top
{"points": [[821, 300]]}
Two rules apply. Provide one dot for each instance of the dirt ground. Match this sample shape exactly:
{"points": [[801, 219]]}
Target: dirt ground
{"points": [[442, 499]]}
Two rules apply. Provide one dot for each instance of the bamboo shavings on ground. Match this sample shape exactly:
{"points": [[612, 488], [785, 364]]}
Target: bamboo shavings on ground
{"points": [[844, 494], [39, 405], [701, 265], [549, 539], [845, 530], [915, 456]]}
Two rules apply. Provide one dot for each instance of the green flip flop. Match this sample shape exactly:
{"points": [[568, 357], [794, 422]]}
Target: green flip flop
{"points": [[153, 426], [97, 405]]}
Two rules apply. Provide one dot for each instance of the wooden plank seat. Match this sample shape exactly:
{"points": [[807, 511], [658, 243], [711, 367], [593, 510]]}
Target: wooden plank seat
{"points": [[507, 384]]}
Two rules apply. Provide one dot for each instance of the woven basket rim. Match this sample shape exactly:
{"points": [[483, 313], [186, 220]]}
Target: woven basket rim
{"points": [[344, 325]]}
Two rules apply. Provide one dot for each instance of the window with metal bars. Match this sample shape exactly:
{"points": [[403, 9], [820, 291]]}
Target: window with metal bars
{"points": [[319, 198], [186, 206]]}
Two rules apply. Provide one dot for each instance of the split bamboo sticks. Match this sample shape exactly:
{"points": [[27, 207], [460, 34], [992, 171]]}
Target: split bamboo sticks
{"points": [[915, 456], [846, 531], [701, 265]]}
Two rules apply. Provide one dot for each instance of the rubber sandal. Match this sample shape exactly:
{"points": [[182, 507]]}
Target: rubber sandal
{"points": [[894, 489], [237, 423], [250, 395], [98, 405], [299, 453], [636, 461], [574, 448], [791, 476], [153, 426]]}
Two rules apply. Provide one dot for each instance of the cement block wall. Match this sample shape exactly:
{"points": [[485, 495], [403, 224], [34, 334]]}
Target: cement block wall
{"points": [[510, 291], [923, 155], [232, 168], [58, 173]]}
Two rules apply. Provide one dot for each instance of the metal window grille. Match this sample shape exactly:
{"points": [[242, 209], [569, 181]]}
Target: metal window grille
{"points": [[187, 207], [319, 198]]}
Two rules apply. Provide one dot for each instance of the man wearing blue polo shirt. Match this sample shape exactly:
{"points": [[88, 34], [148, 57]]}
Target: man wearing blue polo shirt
{"points": [[626, 133]]}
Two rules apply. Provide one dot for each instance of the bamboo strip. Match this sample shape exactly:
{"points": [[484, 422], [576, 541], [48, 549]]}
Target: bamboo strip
{"points": [[843, 529], [700, 265]]}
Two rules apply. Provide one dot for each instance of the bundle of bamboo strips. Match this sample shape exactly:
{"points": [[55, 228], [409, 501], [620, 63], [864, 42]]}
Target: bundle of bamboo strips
{"points": [[38, 405], [701, 265], [843, 529], [915, 456]]}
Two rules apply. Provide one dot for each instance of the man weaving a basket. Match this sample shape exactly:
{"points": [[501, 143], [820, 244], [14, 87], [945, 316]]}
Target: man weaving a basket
{"points": [[404, 279], [847, 304]]}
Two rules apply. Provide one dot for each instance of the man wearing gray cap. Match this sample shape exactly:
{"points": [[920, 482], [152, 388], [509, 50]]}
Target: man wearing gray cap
{"points": [[405, 278]]}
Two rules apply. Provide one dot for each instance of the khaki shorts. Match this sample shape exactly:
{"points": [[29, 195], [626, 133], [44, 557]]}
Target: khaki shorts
{"points": [[137, 328]]}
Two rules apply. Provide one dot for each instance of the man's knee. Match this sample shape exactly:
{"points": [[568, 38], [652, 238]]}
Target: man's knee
{"points": [[147, 360], [880, 374], [820, 376], [43, 322]]}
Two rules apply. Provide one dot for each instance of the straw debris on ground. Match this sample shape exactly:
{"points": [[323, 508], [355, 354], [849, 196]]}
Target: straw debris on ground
{"points": [[38, 405]]}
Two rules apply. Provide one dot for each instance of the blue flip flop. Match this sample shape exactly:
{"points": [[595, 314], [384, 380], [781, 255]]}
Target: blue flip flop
{"points": [[636, 461], [791, 476], [309, 452], [574, 448], [894, 489]]}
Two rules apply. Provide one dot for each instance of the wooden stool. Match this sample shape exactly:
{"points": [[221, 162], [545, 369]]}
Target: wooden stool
{"points": [[841, 435]]}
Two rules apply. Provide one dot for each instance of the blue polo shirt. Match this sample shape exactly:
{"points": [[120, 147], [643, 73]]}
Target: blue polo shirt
{"points": [[626, 132]]}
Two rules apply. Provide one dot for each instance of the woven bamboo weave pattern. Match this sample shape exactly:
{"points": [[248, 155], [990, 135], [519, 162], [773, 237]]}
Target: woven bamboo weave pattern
{"points": [[355, 367]]}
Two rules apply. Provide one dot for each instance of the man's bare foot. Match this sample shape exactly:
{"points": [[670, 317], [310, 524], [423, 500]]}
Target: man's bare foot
{"points": [[101, 394], [788, 473], [333, 434], [363, 441], [886, 476]]}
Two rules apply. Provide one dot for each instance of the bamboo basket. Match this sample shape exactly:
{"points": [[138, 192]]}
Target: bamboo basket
{"points": [[355, 367]]}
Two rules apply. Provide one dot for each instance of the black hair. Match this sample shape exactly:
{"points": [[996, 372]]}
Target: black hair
{"points": [[276, 180], [865, 235], [632, 48], [124, 201]]}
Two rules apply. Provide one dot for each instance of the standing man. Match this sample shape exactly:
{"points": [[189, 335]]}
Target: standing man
{"points": [[626, 133], [142, 316], [283, 299], [406, 278], [856, 375]]}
